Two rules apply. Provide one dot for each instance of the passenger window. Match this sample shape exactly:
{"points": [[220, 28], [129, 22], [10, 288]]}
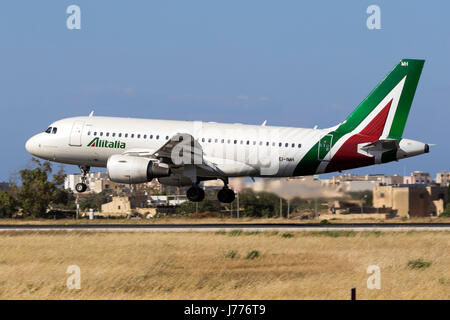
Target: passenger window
{"points": [[113, 134], [273, 144], [254, 142], [145, 136], [89, 133], [223, 140], [167, 137], [126, 135], [95, 133], [280, 144], [235, 141], [215, 141], [54, 130], [120, 135], [286, 144], [203, 139], [107, 134], [209, 140], [151, 136], [267, 143], [49, 130], [101, 133], [157, 137], [299, 145], [132, 135], [293, 145], [248, 142], [242, 142]]}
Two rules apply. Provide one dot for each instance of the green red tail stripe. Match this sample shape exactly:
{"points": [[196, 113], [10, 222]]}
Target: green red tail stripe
{"points": [[381, 115]]}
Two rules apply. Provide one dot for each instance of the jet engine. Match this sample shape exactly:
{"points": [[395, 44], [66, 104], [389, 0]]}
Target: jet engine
{"points": [[132, 169]]}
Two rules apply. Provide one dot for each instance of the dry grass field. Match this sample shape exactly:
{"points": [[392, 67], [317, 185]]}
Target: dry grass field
{"points": [[232, 265]]}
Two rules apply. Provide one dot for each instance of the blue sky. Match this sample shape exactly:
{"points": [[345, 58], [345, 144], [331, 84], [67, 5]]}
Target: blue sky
{"points": [[293, 63]]}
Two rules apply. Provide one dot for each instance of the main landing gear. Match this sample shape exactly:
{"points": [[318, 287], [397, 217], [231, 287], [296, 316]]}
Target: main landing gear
{"points": [[81, 187], [197, 194], [225, 195]]}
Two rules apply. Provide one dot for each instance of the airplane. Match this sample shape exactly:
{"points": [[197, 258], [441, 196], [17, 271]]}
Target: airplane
{"points": [[185, 153]]}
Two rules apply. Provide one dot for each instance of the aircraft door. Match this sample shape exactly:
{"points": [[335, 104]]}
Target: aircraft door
{"points": [[75, 134], [325, 147]]}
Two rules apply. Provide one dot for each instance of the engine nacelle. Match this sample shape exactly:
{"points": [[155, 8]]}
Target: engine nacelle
{"points": [[132, 169]]}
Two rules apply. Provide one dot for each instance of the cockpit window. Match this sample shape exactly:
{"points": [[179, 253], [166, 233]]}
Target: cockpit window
{"points": [[49, 130], [54, 130]]}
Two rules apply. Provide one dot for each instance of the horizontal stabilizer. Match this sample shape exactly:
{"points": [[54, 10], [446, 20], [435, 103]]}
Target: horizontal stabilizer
{"points": [[381, 145]]}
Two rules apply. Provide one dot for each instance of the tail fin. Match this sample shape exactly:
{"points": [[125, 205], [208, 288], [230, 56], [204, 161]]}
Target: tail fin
{"points": [[386, 108]]}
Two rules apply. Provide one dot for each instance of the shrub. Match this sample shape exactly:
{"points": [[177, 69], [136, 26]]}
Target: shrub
{"points": [[252, 233], [419, 264], [201, 215], [7, 205], [235, 233], [287, 235], [334, 234], [252, 255], [231, 254], [446, 212]]}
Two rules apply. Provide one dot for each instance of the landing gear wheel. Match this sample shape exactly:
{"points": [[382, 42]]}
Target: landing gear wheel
{"points": [[81, 187], [195, 194], [226, 195]]}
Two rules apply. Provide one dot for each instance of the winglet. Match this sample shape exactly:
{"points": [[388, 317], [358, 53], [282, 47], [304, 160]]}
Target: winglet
{"points": [[264, 123], [91, 114]]}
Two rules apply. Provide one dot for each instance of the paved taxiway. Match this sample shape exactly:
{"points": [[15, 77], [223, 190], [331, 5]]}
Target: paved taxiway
{"points": [[229, 227]]}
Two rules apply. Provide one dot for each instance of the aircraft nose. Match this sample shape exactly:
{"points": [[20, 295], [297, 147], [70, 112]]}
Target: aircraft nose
{"points": [[32, 145]]}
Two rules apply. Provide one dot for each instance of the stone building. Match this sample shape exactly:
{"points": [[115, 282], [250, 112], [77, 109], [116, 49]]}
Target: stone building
{"points": [[418, 177], [126, 205], [99, 182], [443, 178], [354, 183], [411, 200]]}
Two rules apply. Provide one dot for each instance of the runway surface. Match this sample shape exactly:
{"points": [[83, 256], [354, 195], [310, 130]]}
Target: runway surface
{"points": [[229, 227]]}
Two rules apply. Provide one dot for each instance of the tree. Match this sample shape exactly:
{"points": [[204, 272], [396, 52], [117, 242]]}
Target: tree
{"points": [[94, 201], [206, 205], [8, 205], [448, 194], [36, 193], [446, 212], [260, 204], [366, 196]]}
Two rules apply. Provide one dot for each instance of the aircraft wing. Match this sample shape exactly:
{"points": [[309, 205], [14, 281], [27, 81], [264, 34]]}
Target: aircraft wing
{"points": [[140, 153], [181, 149]]}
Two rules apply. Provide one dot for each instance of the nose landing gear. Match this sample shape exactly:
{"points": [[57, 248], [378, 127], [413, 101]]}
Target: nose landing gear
{"points": [[82, 187]]}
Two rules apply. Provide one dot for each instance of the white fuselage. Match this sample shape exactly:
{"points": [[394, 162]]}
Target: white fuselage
{"points": [[236, 149]]}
